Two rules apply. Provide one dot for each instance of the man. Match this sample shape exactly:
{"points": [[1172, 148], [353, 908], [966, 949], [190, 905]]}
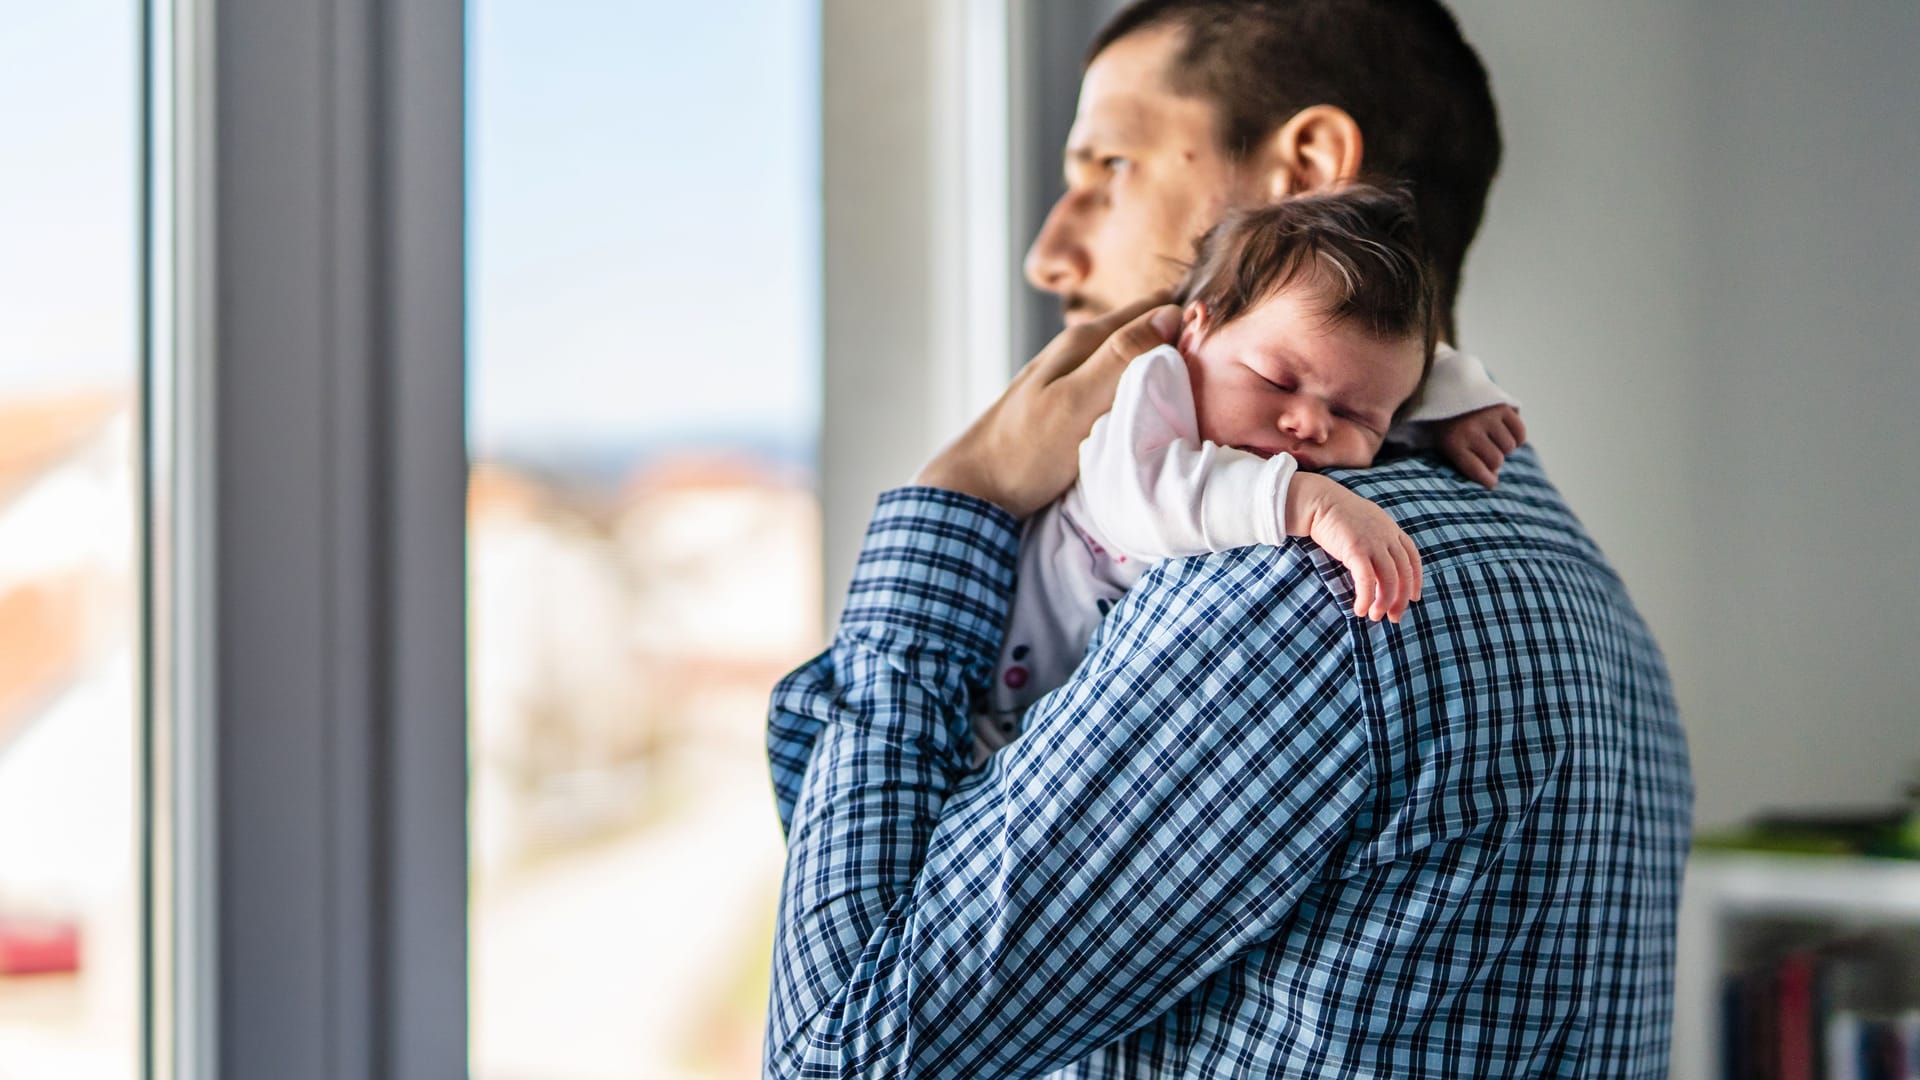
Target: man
{"points": [[1253, 836]]}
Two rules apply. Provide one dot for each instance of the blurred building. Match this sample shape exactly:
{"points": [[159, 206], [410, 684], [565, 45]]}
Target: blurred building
{"points": [[610, 628], [69, 785]]}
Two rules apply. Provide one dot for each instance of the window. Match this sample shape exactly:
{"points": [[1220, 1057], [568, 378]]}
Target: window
{"points": [[70, 819], [643, 520]]}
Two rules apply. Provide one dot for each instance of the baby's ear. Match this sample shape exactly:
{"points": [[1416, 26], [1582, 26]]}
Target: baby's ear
{"points": [[1193, 324]]}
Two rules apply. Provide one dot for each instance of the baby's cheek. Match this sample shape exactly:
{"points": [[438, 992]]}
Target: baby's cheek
{"points": [[1216, 419], [1360, 451]]}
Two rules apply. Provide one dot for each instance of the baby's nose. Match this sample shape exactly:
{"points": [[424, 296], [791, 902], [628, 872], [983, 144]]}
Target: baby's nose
{"points": [[1305, 421]]}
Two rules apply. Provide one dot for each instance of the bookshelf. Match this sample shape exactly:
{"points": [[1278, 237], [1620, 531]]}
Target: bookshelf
{"points": [[1729, 894]]}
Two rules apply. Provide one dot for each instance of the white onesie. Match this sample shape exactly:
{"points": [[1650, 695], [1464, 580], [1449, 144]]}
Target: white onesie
{"points": [[1151, 489]]}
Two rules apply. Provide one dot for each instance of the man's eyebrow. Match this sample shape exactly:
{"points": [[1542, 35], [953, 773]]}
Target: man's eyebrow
{"points": [[1106, 131]]}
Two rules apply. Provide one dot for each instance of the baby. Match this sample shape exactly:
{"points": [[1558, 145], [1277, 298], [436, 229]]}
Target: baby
{"points": [[1308, 340]]}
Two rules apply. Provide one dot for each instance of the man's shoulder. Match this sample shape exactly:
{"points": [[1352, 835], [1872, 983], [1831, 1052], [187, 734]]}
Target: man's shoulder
{"points": [[1453, 520], [1454, 523]]}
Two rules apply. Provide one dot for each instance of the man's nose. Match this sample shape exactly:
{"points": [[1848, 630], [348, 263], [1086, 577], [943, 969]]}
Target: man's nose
{"points": [[1057, 262]]}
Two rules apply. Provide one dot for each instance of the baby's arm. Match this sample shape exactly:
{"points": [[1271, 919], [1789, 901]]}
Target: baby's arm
{"points": [[1155, 490], [1464, 412], [1479, 442], [1375, 550]]}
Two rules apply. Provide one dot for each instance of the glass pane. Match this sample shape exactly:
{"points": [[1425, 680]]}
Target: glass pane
{"points": [[69, 605], [644, 529]]}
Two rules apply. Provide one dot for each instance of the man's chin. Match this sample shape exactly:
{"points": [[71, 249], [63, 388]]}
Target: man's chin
{"points": [[1079, 309]]}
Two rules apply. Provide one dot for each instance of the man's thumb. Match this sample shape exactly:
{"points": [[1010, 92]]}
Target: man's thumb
{"points": [[1144, 334]]}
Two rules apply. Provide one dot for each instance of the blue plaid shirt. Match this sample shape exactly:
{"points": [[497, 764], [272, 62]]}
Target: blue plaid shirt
{"points": [[1253, 835]]}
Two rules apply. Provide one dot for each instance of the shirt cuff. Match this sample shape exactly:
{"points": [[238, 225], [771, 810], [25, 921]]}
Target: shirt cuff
{"points": [[936, 564]]}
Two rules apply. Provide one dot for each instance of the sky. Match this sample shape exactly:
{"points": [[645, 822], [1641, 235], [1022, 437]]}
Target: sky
{"points": [[644, 205], [643, 216], [69, 195]]}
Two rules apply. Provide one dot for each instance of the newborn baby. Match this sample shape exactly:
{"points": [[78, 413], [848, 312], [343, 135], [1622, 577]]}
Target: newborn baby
{"points": [[1308, 340]]}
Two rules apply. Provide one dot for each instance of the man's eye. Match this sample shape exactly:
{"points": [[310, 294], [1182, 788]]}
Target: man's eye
{"points": [[1113, 163]]}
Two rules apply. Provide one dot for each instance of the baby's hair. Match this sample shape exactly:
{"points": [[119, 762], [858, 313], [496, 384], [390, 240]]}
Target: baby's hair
{"points": [[1357, 248]]}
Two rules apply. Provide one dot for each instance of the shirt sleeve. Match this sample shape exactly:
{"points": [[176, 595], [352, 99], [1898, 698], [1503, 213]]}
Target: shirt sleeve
{"points": [[1457, 385], [1155, 490], [1162, 815]]}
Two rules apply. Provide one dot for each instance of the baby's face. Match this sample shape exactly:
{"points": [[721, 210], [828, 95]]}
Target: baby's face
{"points": [[1282, 378]]}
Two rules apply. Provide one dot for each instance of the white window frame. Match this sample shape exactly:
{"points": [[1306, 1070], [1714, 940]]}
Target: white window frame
{"points": [[921, 278], [306, 501]]}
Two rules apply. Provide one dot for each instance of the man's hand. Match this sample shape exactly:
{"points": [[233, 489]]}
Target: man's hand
{"points": [[1478, 442], [1023, 452], [1384, 563]]}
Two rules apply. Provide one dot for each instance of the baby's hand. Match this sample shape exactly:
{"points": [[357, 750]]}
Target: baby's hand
{"points": [[1478, 442], [1382, 559]]}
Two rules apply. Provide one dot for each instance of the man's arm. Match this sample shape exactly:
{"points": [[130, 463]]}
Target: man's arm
{"points": [[1162, 815]]}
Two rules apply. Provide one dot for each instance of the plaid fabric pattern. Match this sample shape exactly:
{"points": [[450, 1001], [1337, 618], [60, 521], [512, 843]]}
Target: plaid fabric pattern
{"points": [[1253, 836]]}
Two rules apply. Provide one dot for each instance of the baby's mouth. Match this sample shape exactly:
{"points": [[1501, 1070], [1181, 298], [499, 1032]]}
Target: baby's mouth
{"points": [[1269, 451]]}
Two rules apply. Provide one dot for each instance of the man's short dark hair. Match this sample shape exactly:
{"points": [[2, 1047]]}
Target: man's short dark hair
{"points": [[1358, 249], [1399, 67]]}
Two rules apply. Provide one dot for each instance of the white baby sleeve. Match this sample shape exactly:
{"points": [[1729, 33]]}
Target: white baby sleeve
{"points": [[1457, 385], [1154, 490]]}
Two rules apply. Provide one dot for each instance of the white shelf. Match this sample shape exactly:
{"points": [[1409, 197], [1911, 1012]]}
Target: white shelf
{"points": [[1725, 887], [1739, 883]]}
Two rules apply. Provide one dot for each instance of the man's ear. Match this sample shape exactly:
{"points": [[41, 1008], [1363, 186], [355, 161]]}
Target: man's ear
{"points": [[1318, 149]]}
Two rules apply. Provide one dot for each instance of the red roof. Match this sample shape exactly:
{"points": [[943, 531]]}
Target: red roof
{"points": [[39, 433]]}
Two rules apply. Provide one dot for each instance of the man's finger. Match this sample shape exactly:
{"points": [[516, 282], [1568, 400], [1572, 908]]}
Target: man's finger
{"points": [[1071, 348], [1113, 320], [1091, 386], [1503, 438], [1152, 328]]}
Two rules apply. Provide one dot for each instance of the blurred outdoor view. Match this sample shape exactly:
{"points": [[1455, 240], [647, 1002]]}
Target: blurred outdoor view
{"points": [[643, 529], [69, 605]]}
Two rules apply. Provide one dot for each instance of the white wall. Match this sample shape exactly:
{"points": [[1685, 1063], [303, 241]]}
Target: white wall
{"points": [[1699, 270]]}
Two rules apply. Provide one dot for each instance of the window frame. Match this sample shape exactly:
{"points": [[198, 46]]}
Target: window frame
{"points": [[305, 493], [920, 252]]}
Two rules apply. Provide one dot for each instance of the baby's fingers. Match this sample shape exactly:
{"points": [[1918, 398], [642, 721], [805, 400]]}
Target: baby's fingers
{"points": [[1516, 427], [1464, 450], [1419, 575], [1490, 458], [1386, 594], [1403, 577], [1502, 436], [1365, 587]]}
